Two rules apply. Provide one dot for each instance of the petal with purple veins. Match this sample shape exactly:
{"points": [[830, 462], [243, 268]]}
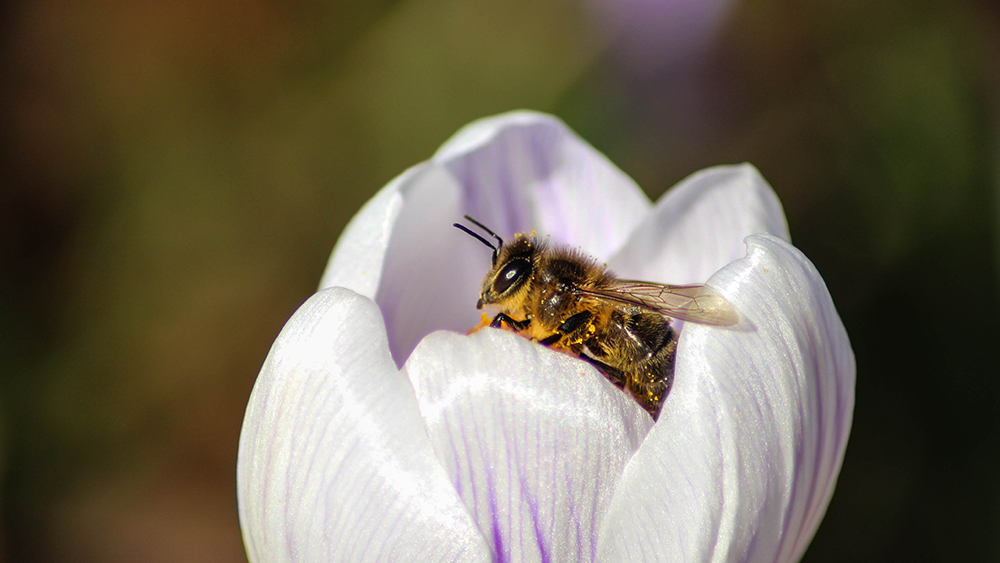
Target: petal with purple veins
{"points": [[533, 440], [750, 440]]}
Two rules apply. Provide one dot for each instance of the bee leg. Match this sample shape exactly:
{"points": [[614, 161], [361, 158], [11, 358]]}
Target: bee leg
{"points": [[549, 341], [515, 324], [574, 322], [567, 327], [614, 376]]}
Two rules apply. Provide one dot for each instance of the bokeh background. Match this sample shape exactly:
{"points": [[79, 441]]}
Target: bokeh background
{"points": [[174, 174]]}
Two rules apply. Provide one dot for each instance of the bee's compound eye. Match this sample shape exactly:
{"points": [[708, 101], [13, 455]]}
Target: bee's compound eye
{"points": [[512, 274]]}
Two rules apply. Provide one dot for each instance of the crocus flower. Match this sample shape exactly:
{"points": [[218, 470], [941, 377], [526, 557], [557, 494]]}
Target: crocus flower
{"points": [[379, 431]]}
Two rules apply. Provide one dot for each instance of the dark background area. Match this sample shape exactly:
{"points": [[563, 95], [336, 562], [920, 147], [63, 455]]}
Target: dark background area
{"points": [[173, 175]]}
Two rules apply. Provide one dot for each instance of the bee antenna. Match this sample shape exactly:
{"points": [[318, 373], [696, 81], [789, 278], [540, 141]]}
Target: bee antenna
{"points": [[485, 228], [496, 249], [481, 239]]}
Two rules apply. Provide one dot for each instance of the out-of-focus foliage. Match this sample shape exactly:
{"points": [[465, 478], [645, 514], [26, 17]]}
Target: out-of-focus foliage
{"points": [[173, 176]]}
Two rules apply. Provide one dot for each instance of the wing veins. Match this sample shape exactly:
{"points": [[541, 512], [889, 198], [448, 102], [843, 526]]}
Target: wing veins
{"points": [[695, 303]]}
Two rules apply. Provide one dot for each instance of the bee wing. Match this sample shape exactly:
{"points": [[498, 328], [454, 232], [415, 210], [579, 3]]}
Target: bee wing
{"points": [[697, 303]]}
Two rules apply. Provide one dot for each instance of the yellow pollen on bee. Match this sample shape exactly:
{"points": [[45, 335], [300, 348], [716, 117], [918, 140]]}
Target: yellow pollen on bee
{"points": [[484, 321]]}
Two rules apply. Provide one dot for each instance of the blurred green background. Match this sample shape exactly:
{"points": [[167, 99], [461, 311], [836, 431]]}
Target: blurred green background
{"points": [[174, 174]]}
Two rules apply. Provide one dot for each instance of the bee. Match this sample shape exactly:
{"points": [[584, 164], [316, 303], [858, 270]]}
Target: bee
{"points": [[564, 299]]}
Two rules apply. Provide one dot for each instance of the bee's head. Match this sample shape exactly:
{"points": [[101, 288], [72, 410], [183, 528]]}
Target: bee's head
{"points": [[512, 265]]}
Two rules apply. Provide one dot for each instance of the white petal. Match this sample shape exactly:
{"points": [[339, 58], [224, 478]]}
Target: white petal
{"points": [[524, 171], [356, 261], [750, 440], [532, 439], [334, 461], [698, 226], [432, 271]]}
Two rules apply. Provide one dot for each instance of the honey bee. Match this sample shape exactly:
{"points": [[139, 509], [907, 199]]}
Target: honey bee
{"points": [[565, 300]]}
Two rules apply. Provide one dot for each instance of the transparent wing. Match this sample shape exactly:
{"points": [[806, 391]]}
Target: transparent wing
{"points": [[695, 303]]}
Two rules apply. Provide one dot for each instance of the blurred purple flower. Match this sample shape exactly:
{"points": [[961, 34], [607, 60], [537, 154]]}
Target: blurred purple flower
{"points": [[493, 448], [653, 35]]}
